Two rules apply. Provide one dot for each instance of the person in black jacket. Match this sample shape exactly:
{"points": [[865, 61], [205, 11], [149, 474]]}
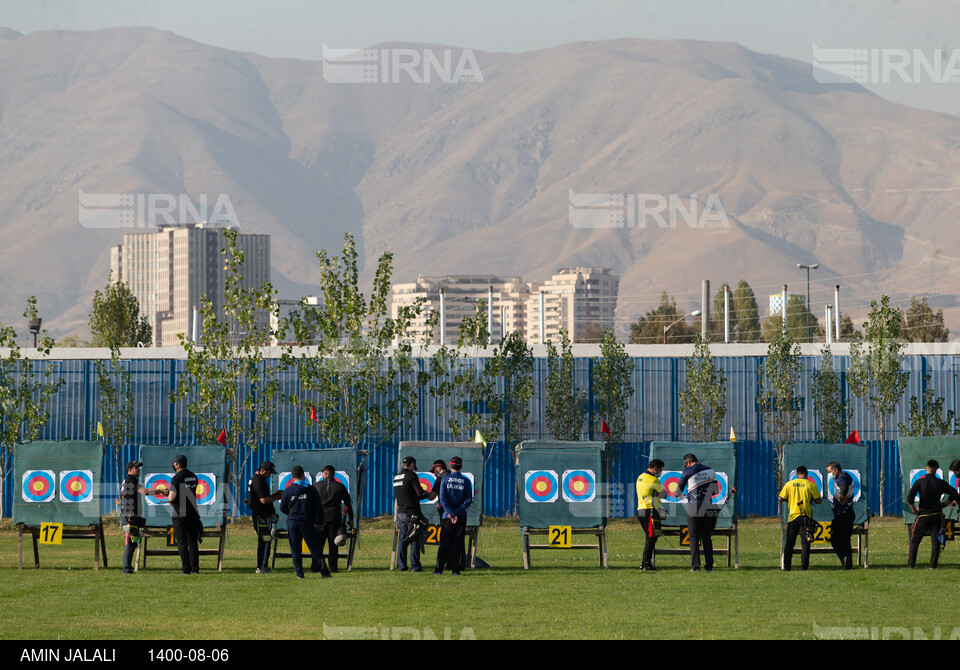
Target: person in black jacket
{"points": [[929, 520], [301, 504], [408, 520], [264, 515], [334, 497], [131, 512], [187, 526]]}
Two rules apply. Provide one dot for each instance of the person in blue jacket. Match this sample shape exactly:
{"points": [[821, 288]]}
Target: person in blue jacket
{"points": [[456, 494], [301, 504]]}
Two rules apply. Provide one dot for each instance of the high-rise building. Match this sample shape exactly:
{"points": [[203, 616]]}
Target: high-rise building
{"points": [[580, 300], [170, 269]]}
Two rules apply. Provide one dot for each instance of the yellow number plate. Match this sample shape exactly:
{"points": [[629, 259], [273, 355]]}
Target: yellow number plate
{"points": [[51, 533], [559, 536]]}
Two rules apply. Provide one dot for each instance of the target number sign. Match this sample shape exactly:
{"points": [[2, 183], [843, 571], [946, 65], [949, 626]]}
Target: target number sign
{"points": [[171, 538], [948, 529], [51, 533], [433, 534], [822, 534], [559, 536], [684, 536]]}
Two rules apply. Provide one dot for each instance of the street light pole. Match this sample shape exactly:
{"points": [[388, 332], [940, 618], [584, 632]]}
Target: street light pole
{"points": [[695, 312], [809, 311]]}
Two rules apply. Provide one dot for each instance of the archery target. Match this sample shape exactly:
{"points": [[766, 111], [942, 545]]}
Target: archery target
{"points": [[427, 481], [579, 485], [152, 481], [952, 480], [918, 474], [343, 478], [854, 475], [286, 478], [723, 484], [813, 475], [206, 488], [76, 486], [38, 486], [541, 486], [671, 482]]}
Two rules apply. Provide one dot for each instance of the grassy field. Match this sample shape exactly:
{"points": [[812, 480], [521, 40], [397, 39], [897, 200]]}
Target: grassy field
{"points": [[565, 595]]}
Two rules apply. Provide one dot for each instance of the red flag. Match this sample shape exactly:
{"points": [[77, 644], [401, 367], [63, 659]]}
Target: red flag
{"points": [[222, 438], [853, 439], [313, 414], [604, 428]]}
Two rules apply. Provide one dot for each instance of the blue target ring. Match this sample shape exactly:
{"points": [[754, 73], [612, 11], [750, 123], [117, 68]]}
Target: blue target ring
{"points": [[38, 486], [579, 485], [76, 486], [343, 478], [206, 488], [541, 486]]}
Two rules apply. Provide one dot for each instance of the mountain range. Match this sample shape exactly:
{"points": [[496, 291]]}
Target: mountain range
{"points": [[479, 177]]}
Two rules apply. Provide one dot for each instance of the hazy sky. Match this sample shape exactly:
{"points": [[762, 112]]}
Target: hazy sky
{"points": [[299, 28]]}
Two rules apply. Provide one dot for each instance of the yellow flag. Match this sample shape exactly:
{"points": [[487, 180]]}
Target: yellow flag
{"points": [[99, 429], [733, 436], [478, 438]]}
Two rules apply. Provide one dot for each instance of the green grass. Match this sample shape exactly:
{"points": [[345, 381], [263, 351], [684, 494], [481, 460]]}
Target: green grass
{"points": [[564, 595]]}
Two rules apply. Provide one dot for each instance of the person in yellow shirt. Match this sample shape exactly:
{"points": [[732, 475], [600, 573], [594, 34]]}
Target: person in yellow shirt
{"points": [[649, 510], [799, 493]]}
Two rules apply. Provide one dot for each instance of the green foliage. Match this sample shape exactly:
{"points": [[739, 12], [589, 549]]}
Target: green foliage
{"points": [[744, 315], [926, 415], [703, 401], [116, 405], [612, 389], [922, 324], [26, 387], [876, 375], [801, 324], [833, 412], [115, 319], [513, 363], [565, 404], [227, 385], [649, 328], [777, 396], [362, 378]]}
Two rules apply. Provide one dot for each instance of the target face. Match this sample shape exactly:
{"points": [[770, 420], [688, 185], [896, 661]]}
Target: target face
{"points": [[813, 475], [206, 488], [158, 479], [916, 475], [541, 486], [343, 478], [723, 484], [854, 475], [38, 486], [427, 481], [579, 486], [952, 480], [286, 478], [76, 486], [671, 485]]}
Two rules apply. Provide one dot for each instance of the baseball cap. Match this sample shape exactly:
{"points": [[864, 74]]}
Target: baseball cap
{"points": [[409, 460], [180, 460], [134, 464], [268, 466]]}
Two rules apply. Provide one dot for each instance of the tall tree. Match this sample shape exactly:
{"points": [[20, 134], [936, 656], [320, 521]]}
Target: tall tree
{"points": [[778, 396], [744, 315], [115, 319], [26, 387], [876, 373], [922, 324], [612, 389], [648, 329], [703, 400], [801, 324], [832, 410], [926, 415], [565, 401], [228, 385]]}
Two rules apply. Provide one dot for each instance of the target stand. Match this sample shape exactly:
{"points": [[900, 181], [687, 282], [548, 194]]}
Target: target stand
{"points": [[471, 535], [166, 532], [92, 532], [860, 548], [353, 536], [557, 541], [731, 550]]}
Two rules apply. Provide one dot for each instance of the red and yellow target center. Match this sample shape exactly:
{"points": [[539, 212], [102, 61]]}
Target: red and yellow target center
{"points": [[540, 487], [38, 486], [579, 486], [76, 487]]}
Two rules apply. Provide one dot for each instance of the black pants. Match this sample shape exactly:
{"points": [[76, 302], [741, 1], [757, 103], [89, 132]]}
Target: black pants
{"points": [[701, 533], [186, 531], [327, 536], [304, 531], [928, 524], [797, 527], [450, 553], [841, 530], [262, 528], [650, 522]]}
